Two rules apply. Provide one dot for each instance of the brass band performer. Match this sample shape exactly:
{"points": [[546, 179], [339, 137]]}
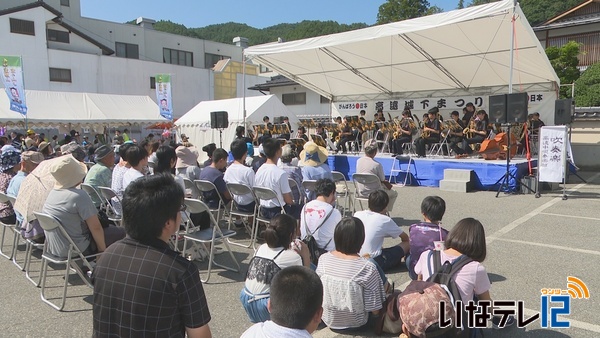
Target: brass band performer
{"points": [[455, 137], [476, 131], [403, 133], [431, 132]]}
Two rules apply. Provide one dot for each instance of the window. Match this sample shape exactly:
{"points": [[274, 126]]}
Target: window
{"points": [[325, 100], [58, 36], [264, 69], [22, 26], [293, 99], [60, 75], [178, 57], [152, 82], [211, 59], [127, 50], [64, 3]]}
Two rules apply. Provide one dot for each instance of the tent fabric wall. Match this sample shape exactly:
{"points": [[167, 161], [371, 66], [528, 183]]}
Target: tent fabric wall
{"points": [[56, 109], [195, 124], [454, 53]]}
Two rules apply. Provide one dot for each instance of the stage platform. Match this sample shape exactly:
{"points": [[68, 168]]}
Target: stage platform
{"points": [[429, 171]]}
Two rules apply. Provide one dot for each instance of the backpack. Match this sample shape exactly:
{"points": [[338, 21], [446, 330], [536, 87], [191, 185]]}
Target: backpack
{"points": [[443, 274], [311, 243]]}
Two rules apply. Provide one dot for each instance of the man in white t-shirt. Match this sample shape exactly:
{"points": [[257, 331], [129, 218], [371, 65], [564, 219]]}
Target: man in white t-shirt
{"points": [[378, 225], [320, 216], [368, 165], [239, 173], [269, 175]]}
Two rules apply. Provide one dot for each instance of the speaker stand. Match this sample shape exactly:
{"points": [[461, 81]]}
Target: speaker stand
{"points": [[508, 175]]}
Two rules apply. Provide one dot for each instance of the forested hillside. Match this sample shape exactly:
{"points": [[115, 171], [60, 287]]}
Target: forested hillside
{"points": [[536, 11]]}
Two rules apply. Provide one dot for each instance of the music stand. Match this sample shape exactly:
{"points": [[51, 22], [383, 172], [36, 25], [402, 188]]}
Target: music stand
{"points": [[507, 175]]}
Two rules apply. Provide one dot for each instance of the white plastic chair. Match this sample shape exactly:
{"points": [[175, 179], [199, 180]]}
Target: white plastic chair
{"points": [[310, 186], [213, 235], [397, 169], [342, 191], [264, 194]]}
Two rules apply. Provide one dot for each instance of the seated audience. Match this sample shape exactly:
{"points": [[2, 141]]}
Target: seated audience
{"points": [[213, 173], [424, 234], [313, 160], [272, 177], [294, 172], [320, 216], [239, 173], [295, 285], [378, 226], [46, 150], [75, 210], [10, 162], [262, 158], [100, 174], [367, 164], [209, 149], [141, 286], [119, 170], [137, 158], [29, 161], [187, 161], [276, 254], [352, 286], [165, 163]]}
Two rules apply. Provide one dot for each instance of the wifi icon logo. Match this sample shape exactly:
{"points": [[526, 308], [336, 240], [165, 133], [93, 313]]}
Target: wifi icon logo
{"points": [[577, 288]]}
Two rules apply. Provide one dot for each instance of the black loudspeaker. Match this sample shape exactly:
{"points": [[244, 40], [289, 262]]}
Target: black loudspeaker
{"points": [[516, 107], [498, 109], [563, 111], [219, 120]]}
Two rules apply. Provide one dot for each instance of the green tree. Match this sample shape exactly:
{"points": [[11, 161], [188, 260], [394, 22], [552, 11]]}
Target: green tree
{"points": [[398, 10], [480, 2], [564, 61], [461, 4], [587, 87], [434, 10]]}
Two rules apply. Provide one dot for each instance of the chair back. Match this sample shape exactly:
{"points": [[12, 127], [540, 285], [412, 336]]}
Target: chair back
{"points": [[47, 222], [340, 182], [239, 189], [265, 194], [365, 179], [195, 206], [191, 186], [207, 186], [11, 199], [91, 191], [108, 193], [310, 185], [294, 185], [4, 198]]}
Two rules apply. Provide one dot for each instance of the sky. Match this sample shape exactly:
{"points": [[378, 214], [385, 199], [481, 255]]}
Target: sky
{"points": [[258, 14]]}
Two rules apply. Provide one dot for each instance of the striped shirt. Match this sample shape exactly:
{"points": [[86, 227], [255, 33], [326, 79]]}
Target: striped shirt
{"points": [[351, 289]]}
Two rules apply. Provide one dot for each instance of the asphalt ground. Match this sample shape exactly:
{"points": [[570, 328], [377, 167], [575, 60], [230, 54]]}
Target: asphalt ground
{"points": [[533, 243]]}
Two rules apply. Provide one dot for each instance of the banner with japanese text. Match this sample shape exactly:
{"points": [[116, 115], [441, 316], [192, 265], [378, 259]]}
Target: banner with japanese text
{"points": [[541, 102], [12, 78], [163, 95], [554, 150]]}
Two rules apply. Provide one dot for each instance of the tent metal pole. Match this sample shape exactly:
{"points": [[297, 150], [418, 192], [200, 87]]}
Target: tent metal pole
{"points": [[244, 91], [512, 48]]}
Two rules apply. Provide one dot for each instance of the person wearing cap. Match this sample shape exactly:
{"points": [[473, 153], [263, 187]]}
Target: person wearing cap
{"points": [[187, 161], [433, 127], [100, 174], [74, 149], [269, 175], [313, 160], [368, 165], [75, 210], [10, 161], [479, 133], [29, 161]]}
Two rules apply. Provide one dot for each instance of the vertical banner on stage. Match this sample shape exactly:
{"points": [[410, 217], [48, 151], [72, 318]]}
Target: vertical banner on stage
{"points": [[163, 95], [12, 78], [554, 148]]}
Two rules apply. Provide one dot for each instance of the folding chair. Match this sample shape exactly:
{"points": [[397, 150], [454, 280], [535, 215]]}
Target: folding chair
{"points": [[94, 194], [212, 235], [384, 144], [74, 255], [310, 186], [397, 169], [189, 185], [9, 227], [342, 190], [236, 189], [364, 179], [264, 194], [301, 194], [207, 186], [437, 147], [111, 211]]}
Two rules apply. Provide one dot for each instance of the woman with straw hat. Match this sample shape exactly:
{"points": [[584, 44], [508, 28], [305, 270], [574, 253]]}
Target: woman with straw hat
{"points": [[313, 160]]}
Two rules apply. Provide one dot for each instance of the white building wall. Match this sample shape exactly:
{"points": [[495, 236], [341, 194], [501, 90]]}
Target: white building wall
{"points": [[313, 106]]}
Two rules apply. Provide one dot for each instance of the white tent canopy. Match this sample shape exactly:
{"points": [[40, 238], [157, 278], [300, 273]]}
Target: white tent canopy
{"points": [[196, 123], [54, 109], [460, 52]]}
